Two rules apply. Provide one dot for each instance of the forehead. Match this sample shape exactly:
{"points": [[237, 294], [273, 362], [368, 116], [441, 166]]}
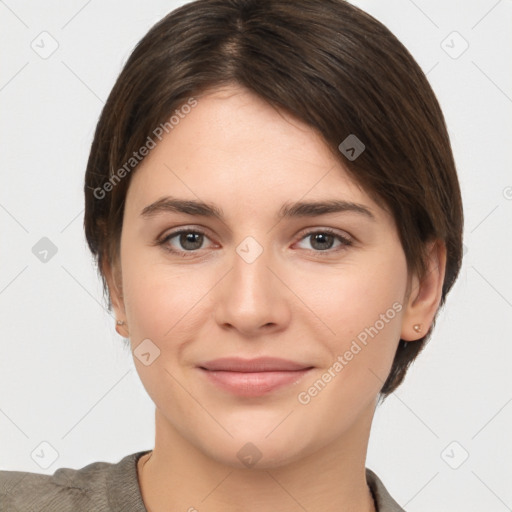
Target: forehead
{"points": [[236, 149]]}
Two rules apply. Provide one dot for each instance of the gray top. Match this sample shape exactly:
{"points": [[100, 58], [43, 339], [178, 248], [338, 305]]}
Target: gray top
{"points": [[105, 487]]}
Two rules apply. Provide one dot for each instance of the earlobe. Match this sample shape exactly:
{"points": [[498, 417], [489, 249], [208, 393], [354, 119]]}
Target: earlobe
{"points": [[122, 331], [114, 281], [422, 301]]}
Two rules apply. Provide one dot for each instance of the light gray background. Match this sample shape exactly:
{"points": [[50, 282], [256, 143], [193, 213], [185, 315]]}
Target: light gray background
{"points": [[64, 377]]}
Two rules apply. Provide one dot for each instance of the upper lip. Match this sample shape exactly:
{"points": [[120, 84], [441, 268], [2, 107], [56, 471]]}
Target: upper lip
{"points": [[260, 364]]}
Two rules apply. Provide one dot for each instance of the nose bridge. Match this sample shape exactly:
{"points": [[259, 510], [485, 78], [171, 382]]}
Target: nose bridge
{"points": [[249, 297], [251, 284]]}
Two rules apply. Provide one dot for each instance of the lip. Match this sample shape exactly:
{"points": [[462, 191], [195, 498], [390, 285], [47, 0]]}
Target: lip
{"points": [[253, 377], [259, 364]]}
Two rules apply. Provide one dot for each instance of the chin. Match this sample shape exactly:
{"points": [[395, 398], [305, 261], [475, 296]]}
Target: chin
{"points": [[254, 451]]}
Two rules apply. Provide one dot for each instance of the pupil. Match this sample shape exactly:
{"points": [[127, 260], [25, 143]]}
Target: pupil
{"points": [[323, 238], [191, 238]]}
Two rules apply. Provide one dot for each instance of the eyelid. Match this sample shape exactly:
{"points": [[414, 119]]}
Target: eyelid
{"points": [[161, 240], [345, 239], [319, 229]]}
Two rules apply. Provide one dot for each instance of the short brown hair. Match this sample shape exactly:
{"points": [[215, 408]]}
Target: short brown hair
{"points": [[327, 63]]}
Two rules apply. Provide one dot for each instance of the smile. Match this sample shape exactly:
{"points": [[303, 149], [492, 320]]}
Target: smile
{"points": [[255, 377]]}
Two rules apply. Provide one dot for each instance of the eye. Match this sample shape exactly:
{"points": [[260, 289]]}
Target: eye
{"points": [[187, 240], [323, 240]]}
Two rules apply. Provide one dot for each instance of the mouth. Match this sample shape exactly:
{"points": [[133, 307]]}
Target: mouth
{"points": [[253, 377]]}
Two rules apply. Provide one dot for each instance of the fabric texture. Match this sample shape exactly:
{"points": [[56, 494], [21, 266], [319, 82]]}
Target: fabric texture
{"points": [[105, 487]]}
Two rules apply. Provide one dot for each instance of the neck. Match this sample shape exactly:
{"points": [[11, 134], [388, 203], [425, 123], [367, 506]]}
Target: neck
{"points": [[176, 475]]}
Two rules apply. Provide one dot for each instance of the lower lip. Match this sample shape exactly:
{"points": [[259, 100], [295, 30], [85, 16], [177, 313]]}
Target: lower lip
{"points": [[253, 384]]}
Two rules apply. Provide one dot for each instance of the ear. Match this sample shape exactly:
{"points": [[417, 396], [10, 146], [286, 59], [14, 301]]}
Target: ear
{"points": [[424, 295], [113, 277]]}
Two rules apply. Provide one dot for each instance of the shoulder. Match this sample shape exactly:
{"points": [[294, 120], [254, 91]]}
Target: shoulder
{"points": [[384, 500], [99, 486]]}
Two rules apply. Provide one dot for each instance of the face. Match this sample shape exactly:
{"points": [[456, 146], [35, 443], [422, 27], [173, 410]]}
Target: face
{"points": [[262, 278]]}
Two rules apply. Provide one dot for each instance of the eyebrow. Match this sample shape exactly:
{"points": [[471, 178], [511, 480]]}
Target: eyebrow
{"points": [[288, 210]]}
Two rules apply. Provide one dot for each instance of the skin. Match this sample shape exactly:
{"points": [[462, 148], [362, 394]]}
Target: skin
{"points": [[239, 153]]}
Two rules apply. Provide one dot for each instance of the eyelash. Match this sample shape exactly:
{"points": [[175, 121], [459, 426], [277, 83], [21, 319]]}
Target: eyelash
{"points": [[345, 242]]}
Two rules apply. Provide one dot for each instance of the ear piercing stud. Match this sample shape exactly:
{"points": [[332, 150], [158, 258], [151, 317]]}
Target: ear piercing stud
{"points": [[416, 327]]}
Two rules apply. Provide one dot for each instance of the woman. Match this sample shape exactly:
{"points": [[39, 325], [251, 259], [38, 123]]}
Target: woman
{"points": [[273, 204]]}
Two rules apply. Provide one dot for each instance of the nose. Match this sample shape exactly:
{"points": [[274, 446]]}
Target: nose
{"points": [[251, 299]]}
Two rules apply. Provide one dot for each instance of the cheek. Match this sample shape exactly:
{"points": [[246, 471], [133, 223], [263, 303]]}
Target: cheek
{"points": [[364, 311], [349, 298], [158, 299], [163, 306], [358, 313]]}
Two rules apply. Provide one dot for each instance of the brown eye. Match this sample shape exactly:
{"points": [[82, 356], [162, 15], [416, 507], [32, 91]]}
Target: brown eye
{"points": [[183, 241], [324, 240]]}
